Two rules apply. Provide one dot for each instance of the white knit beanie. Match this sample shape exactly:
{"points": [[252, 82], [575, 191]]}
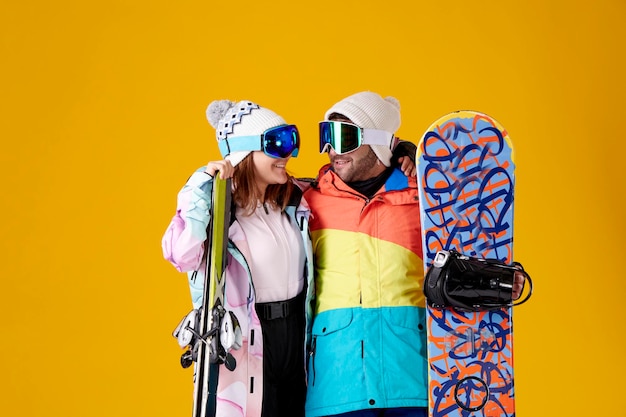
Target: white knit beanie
{"points": [[370, 111], [243, 118]]}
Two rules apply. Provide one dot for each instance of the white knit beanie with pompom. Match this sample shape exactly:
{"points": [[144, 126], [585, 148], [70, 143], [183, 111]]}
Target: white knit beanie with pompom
{"points": [[243, 118]]}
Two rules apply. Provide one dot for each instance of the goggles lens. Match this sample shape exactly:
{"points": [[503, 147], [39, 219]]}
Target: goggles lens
{"points": [[343, 137], [281, 141]]}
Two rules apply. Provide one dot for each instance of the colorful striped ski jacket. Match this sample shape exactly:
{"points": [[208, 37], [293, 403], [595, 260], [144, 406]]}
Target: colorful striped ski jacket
{"points": [[240, 392], [368, 341]]}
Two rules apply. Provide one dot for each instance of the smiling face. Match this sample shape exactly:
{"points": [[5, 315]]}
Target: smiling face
{"points": [[359, 165], [269, 170]]}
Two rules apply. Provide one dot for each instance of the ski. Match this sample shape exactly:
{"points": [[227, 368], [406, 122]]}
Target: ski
{"points": [[210, 352]]}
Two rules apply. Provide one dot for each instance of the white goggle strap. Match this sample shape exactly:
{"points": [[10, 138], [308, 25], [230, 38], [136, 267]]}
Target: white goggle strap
{"points": [[377, 137]]}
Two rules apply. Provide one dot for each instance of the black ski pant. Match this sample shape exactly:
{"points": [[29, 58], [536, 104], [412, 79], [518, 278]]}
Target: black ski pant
{"points": [[284, 380]]}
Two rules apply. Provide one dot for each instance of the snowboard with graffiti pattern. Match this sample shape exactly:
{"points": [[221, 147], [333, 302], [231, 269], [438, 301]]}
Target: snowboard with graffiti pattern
{"points": [[466, 188]]}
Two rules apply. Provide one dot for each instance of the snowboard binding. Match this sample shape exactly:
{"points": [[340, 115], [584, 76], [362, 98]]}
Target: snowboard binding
{"points": [[471, 284]]}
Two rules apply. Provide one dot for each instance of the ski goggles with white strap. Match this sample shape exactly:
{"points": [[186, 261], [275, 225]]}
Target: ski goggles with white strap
{"points": [[347, 137], [277, 142]]}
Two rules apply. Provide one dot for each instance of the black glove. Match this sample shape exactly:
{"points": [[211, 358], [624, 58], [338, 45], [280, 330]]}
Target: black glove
{"points": [[403, 148]]}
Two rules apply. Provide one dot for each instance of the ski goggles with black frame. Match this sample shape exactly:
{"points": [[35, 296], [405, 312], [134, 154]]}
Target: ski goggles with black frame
{"points": [[347, 137], [276, 142]]}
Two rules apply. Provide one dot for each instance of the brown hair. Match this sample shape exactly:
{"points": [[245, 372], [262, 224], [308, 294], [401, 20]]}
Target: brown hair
{"points": [[247, 195], [338, 117]]}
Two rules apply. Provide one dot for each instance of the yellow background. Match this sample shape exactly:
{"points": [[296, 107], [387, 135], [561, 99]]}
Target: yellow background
{"points": [[102, 120]]}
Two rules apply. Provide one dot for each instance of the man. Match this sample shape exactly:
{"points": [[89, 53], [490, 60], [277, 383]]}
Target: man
{"points": [[368, 338]]}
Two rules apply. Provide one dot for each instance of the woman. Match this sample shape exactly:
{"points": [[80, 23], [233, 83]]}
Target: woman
{"points": [[269, 258]]}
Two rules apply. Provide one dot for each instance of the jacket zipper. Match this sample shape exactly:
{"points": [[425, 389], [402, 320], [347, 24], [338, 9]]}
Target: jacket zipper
{"points": [[312, 354]]}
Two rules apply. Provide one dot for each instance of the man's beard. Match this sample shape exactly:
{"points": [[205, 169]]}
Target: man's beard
{"points": [[361, 169]]}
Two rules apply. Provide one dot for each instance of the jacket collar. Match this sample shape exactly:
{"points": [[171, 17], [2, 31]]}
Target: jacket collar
{"points": [[398, 189]]}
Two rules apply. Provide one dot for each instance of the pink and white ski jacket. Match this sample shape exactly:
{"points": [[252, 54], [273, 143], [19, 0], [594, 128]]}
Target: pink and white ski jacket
{"points": [[240, 392]]}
